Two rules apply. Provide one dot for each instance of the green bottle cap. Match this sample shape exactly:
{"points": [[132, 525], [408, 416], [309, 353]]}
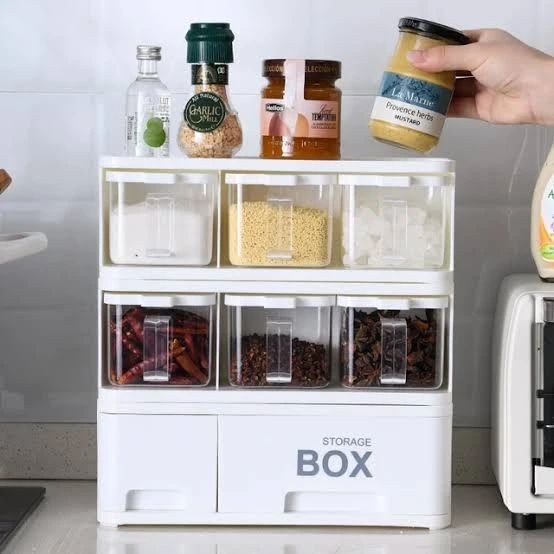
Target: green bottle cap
{"points": [[210, 43]]}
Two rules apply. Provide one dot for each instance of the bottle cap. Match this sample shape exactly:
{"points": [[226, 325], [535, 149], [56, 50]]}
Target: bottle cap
{"points": [[145, 52], [210, 43]]}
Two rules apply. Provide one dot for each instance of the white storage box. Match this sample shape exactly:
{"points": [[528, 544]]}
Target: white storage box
{"points": [[398, 221], [159, 339], [279, 340], [346, 468], [280, 219], [161, 218], [392, 341], [157, 464]]}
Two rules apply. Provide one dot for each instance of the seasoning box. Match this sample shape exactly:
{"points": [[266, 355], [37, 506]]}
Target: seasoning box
{"points": [[280, 219], [412, 104], [301, 110], [395, 221], [210, 126], [279, 341], [159, 339], [392, 341], [161, 218]]}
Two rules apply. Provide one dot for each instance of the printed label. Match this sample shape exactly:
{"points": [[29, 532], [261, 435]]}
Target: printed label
{"points": [[147, 130], [209, 74], [154, 134], [335, 462], [204, 112], [546, 222], [308, 119], [412, 103]]}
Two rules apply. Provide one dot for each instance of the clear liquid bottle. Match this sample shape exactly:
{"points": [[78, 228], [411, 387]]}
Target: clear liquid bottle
{"points": [[148, 108]]}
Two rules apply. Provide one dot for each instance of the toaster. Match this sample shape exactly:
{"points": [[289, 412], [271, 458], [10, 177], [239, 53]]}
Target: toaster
{"points": [[523, 397]]}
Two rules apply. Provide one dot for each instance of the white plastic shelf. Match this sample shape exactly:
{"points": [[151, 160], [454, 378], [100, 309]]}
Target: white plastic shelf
{"points": [[210, 400], [437, 166], [300, 281]]}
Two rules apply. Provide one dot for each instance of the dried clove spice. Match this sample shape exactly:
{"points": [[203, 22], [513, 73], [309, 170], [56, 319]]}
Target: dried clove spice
{"points": [[189, 347], [360, 349], [310, 361]]}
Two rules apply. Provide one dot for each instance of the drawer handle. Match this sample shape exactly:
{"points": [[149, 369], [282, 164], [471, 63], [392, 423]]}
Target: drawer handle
{"points": [[160, 209], [142, 499], [310, 502], [394, 340], [279, 350], [157, 337], [394, 216]]}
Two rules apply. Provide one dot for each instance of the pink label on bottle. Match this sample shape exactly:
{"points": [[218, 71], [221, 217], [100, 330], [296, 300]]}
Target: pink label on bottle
{"points": [[307, 119]]}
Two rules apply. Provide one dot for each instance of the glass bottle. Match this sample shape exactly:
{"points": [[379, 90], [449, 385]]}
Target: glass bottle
{"points": [[210, 126], [148, 108]]}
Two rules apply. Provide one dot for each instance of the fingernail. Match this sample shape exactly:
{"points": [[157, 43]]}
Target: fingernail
{"points": [[415, 56]]}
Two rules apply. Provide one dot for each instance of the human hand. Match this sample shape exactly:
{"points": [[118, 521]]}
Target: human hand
{"points": [[500, 79]]}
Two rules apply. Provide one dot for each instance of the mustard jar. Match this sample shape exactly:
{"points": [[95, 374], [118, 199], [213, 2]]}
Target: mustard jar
{"points": [[411, 106]]}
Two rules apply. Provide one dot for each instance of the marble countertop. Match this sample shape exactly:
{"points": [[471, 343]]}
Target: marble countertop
{"points": [[65, 523]]}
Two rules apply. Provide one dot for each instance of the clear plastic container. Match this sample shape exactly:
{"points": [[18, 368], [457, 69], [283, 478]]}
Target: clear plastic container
{"points": [[159, 339], [395, 221], [161, 218], [279, 341], [392, 342], [280, 219]]}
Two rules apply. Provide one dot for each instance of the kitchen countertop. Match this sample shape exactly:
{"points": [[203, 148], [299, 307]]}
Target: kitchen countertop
{"points": [[65, 523]]}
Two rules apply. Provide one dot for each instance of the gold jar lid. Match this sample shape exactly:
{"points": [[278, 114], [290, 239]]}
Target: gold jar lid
{"points": [[327, 69]]}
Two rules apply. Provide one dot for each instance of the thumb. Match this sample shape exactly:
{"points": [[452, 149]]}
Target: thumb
{"points": [[447, 58]]}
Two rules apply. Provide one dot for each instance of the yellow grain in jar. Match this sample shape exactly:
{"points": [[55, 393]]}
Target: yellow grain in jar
{"points": [[255, 228], [411, 107]]}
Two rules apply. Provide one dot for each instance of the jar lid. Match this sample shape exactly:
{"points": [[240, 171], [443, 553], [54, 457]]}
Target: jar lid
{"points": [[328, 69], [149, 300], [210, 43], [432, 29], [276, 301]]}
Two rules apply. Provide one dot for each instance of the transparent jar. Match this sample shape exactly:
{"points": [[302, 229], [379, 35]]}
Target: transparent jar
{"points": [[279, 341], [392, 341], [412, 104], [280, 219], [301, 110], [395, 221], [210, 126], [159, 339], [161, 218]]}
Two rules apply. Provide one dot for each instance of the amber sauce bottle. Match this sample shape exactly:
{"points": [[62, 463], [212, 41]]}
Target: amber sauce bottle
{"points": [[305, 124]]}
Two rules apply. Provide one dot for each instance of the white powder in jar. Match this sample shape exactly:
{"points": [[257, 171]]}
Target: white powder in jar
{"points": [[185, 239]]}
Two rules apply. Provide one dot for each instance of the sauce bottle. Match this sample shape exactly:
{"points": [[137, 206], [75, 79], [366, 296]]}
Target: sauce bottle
{"points": [[542, 220]]}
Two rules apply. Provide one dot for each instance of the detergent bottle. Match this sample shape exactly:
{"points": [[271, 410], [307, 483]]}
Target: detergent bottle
{"points": [[542, 220]]}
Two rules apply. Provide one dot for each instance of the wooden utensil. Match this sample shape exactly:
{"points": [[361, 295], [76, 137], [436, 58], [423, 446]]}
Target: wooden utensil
{"points": [[5, 180]]}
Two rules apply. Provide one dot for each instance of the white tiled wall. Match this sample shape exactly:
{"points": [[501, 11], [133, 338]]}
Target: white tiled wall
{"points": [[64, 69]]}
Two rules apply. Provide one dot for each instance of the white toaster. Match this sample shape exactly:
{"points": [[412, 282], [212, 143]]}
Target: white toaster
{"points": [[523, 397]]}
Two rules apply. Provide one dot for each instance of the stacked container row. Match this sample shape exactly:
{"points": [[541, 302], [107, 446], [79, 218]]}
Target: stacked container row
{"points": [[275, 340], [279, 220]]}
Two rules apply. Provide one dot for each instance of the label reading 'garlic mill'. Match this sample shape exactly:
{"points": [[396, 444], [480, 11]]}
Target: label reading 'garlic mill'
{"points": [[412, 103]]}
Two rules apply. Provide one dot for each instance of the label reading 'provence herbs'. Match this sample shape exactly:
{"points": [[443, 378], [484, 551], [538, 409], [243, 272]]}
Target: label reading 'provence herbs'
{"points": [[204, 112], [412, 103]]}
